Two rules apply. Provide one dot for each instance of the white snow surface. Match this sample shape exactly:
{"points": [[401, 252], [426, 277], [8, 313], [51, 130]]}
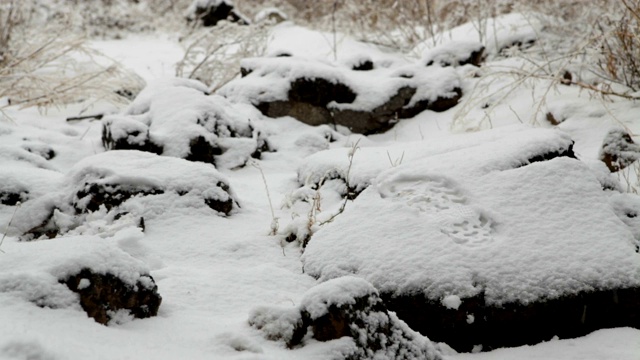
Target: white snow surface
{"points": [[472, 220], [213, 271]]}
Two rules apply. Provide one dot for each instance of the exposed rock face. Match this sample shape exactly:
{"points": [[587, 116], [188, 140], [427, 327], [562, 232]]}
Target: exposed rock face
{"points": [[346, 307], [619, 150], [102, 295]]}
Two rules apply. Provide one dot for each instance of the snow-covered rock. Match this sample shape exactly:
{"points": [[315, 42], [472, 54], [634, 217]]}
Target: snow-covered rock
{"points": [[508, 225], [113, 183], [619, 150], [83, 271], [177, 118], [317, 92], [345, 307], [455, 53]]}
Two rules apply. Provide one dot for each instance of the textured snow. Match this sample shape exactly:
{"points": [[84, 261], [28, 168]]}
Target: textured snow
{"points": [[503, 148], [471, 221]]}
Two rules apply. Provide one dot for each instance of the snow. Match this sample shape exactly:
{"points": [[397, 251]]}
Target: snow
{"points": [[418, 185], [39, 283], [453, 302], [466, 221]]}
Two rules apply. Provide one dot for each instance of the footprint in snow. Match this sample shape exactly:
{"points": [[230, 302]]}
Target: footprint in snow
{"points": [[440, 199]]}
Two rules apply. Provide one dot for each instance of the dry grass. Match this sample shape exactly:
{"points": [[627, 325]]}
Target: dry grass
{"points": [[51, 66]]}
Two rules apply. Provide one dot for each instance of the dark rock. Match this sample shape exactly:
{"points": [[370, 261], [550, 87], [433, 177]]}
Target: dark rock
{"points": [[13, 198], [133, 139], [93, 195], [203, 151], [440, 104], [320, 92], [365, 65], [476, 323], [456, 54], [568, 152], [553, 120], [224, 207], [619, 150], [101, 295], [308, 100], [475, 58], [215, 11]]}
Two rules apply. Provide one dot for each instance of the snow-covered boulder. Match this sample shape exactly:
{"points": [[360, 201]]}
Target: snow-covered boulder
{"points": [[209, 12], [619, 150], [113, 183], [318, 93], [500, 238], [351, 307], [177, 118], [86, 272]]}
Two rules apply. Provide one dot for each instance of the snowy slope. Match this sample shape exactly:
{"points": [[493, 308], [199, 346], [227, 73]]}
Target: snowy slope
{"points": [[213, 271]]}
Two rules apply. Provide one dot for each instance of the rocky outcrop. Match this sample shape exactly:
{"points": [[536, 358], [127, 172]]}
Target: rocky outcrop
{"points": [[103, 295]]}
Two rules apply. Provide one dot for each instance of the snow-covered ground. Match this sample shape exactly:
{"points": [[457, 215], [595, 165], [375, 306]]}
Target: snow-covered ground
{"points": [[212, 270]]}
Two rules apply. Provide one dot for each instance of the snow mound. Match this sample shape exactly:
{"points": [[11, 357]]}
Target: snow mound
{"points": [[522, 144], [177, 118], [125, 186], [350, 307], [498, 34], [39, 272], [24, 176]]}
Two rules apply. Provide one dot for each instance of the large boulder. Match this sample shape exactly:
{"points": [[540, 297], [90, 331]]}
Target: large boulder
{"points": [[318, 93], [497, 239], [345, 307]]}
